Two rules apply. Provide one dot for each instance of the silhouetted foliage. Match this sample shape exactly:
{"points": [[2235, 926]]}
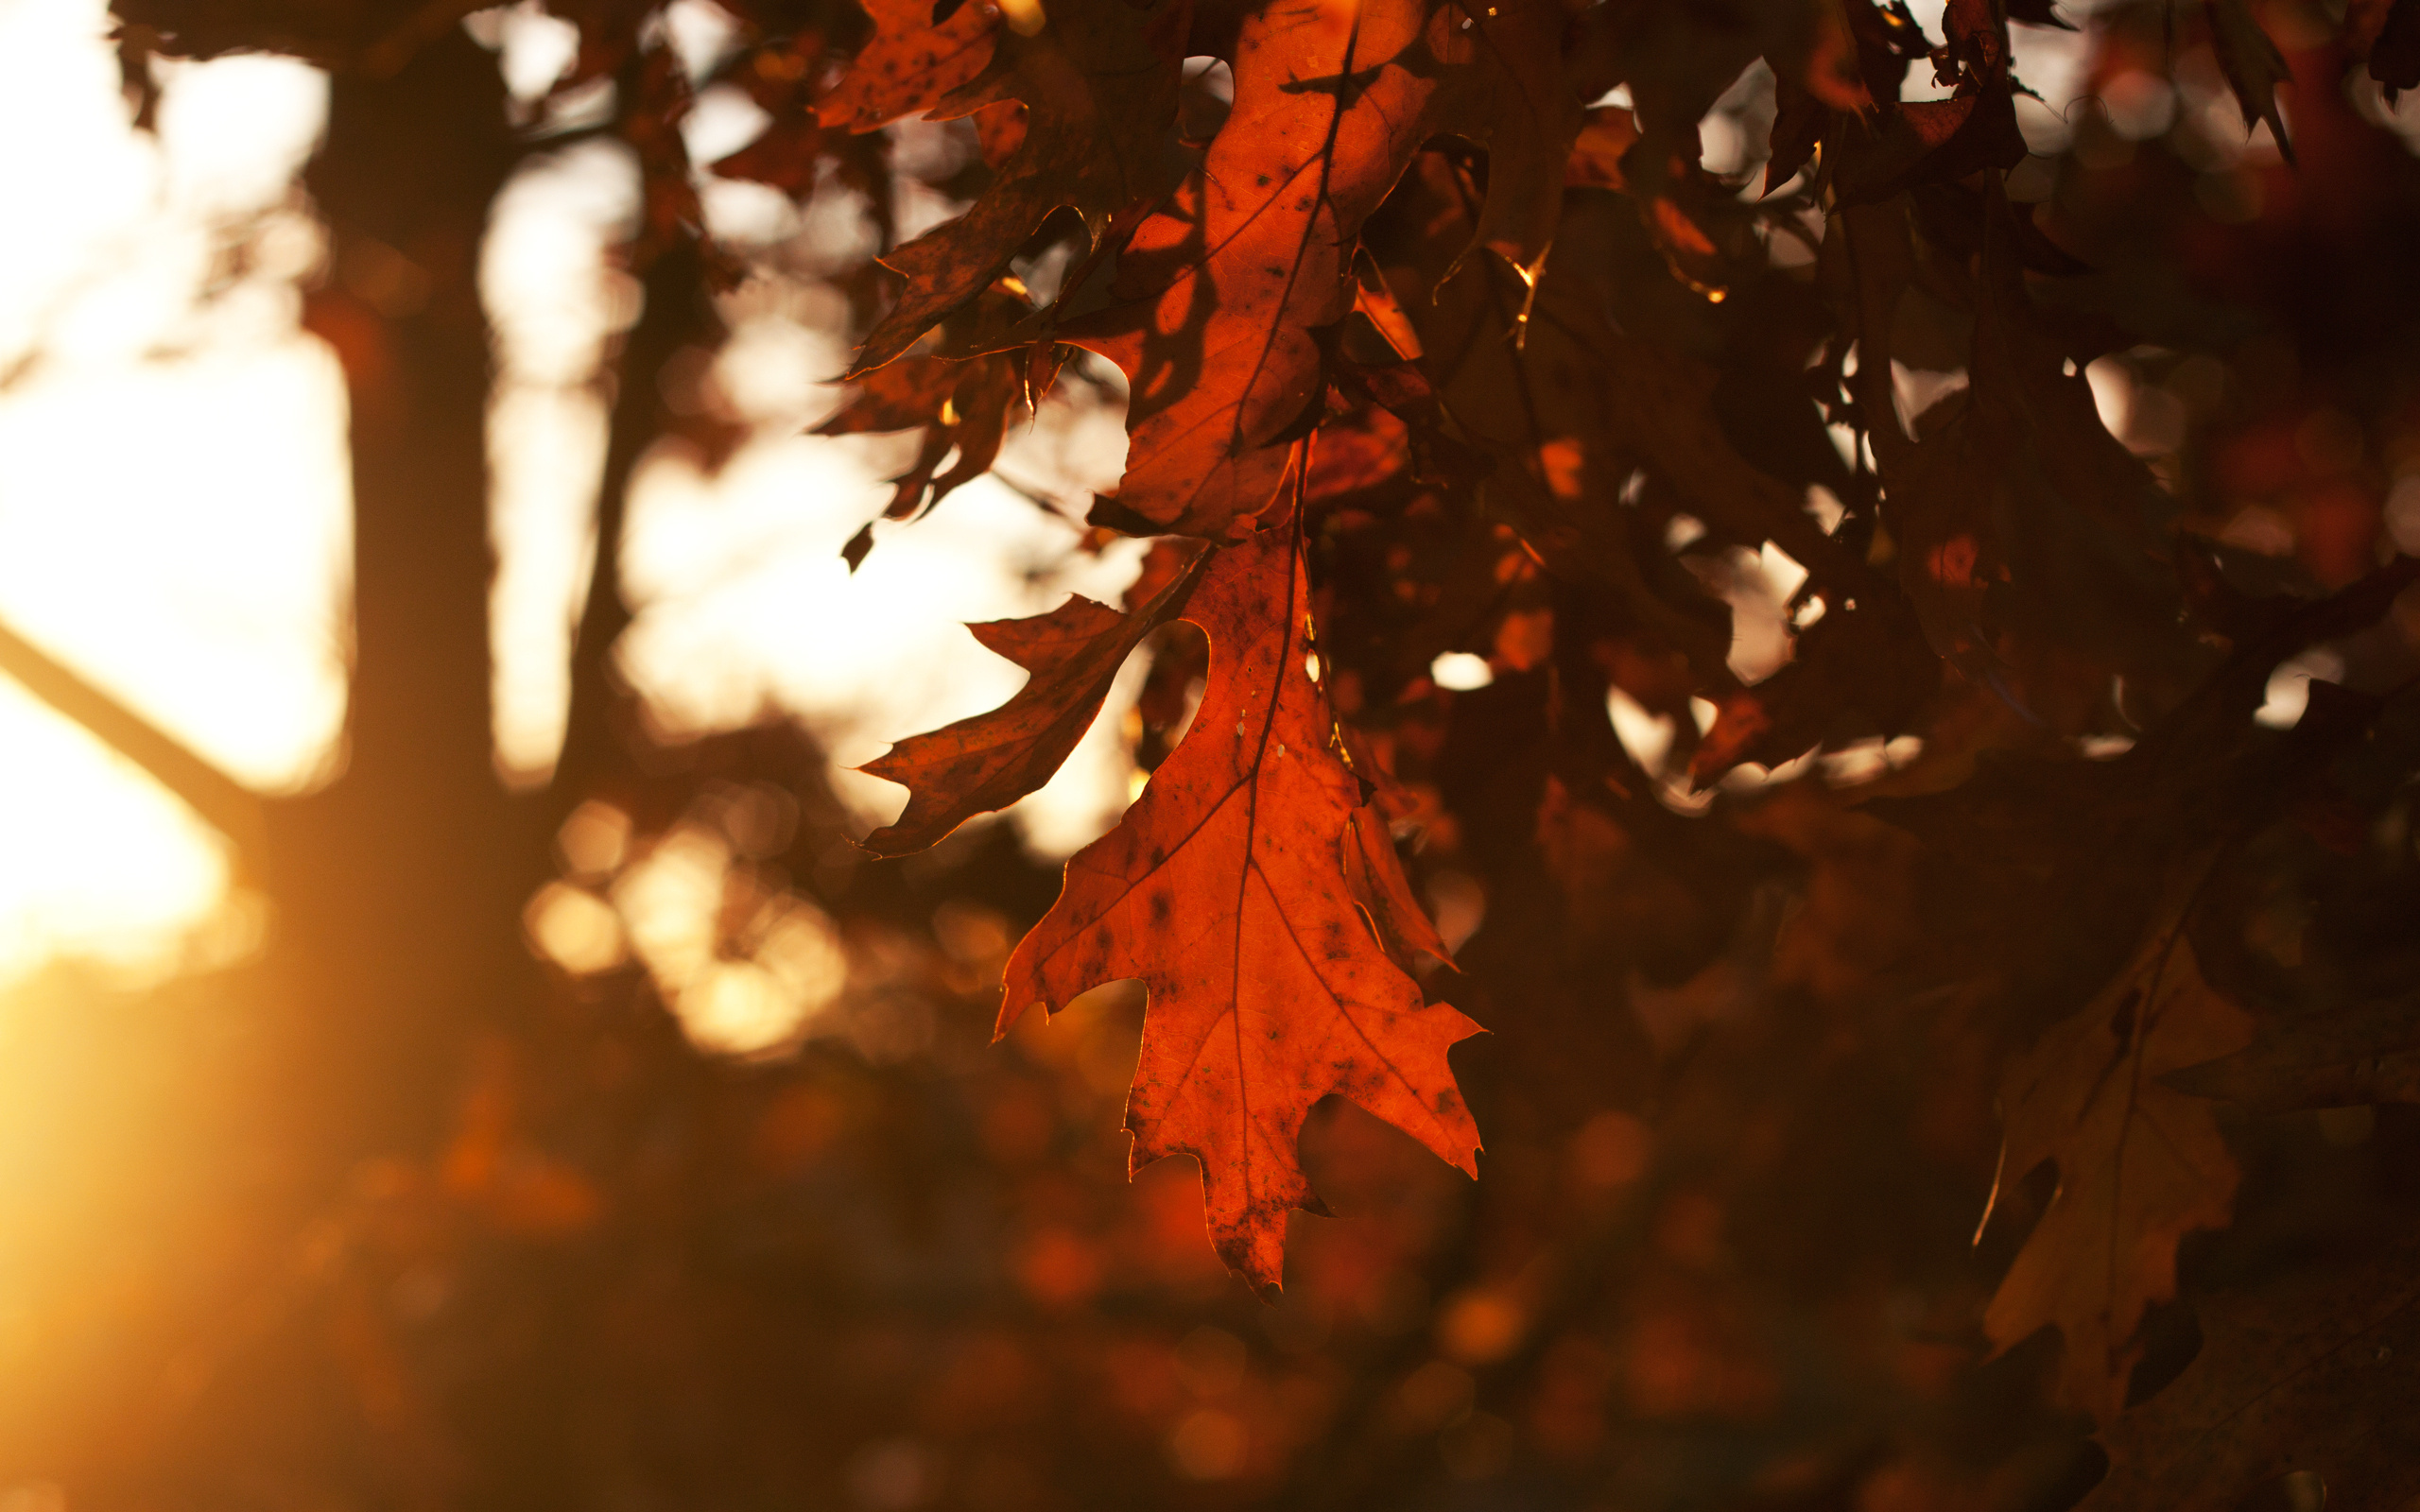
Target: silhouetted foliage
{"points": [[1949, 1018]]}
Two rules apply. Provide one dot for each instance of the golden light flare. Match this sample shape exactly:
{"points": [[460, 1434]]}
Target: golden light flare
{"points": [[201, 576]]}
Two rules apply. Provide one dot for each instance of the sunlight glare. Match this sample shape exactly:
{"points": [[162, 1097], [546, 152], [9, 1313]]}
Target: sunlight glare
{"points": [[173, 482]]}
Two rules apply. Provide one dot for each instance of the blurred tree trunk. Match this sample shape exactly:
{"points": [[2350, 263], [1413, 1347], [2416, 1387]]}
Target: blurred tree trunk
{"points": [[398, 887], [397, 890]]}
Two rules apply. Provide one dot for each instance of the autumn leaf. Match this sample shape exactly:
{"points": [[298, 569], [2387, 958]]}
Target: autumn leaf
{"points": [[909, 64], [2253, 66], [2310, 1376], [2343, 1057], [1799, 122], [780, 78], [2394, 57], [1569, 413], [1606, 133], [1870, 659], [2140, 1164], [960, 406], [1099, 83], [1519, 104], [1939, 141], [2023, 441], [1375, 874], [1223, 891], [992, 759], [1216, 297]]}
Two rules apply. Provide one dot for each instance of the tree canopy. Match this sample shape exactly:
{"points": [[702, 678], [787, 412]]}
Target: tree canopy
{"points": [[1794, 660]]}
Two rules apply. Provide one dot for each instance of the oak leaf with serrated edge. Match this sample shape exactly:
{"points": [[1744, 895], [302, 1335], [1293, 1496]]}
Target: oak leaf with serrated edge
{"points": [[1213, 305], [2140, 1164], [992, 759], [1098, 84], [909, 64], [1223, 891]]}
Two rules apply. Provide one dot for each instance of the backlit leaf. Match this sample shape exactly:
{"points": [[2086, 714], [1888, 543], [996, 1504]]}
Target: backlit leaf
{"points": [[1098, 84], [1222, 890], [994, 759]]}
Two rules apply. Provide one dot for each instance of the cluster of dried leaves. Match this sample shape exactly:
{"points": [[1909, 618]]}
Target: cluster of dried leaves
{"points": [[1405, 297], [1873, 829]]}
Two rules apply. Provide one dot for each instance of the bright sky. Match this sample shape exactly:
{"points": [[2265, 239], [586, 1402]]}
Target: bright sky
{"points": [[174, 498]]}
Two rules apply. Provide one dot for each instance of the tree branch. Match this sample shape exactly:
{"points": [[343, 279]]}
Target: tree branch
{"points": [[223, 803], [675, 311]]}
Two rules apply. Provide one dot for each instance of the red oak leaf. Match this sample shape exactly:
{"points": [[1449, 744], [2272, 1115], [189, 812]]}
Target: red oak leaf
{"points": [[992, 759], [910, 63], [1217, 294], [1223, 890], [1098, 84]]}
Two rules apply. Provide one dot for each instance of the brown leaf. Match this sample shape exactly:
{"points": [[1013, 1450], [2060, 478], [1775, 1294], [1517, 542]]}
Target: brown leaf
{"points": [[1098, 84], [909, 64], [901, 397], [992, 759], [2140, 1164], [2079, 591], [2342, 1059], [1222, 891], [1939, 141], [1608, 133], [1798, 120], [1870, 659], [2310, 1377], [2394, 57], [784, 158], [780, 78], [1569, 413], [961, 405], [2253, 65], [1517, 102]]}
